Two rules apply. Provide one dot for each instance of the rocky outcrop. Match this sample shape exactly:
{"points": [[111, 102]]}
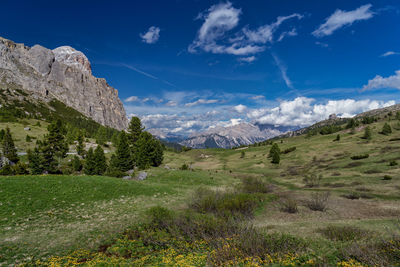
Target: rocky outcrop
{"points": [[64, 74]]}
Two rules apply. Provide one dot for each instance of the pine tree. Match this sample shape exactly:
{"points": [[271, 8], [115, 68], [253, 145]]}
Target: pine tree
{"points": [[49, 162], [90, 163], [367, 133], [276, 157], [100, 161], [101, 136], [386, 130], [80, 148], [337, 137], [149, 151], [123, 159], [9, 150], [274, 148], [76, 164], [135, 128], [56, 138], [35, 161]]}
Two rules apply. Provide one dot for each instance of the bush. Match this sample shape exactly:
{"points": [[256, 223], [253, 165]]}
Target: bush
{"points": [[393, 163], [352, 195], [387, 177], [242, 154], [318, 201], [255, 185], [225, 204], [20, 168], [343, 233], [288, 150], [288, 205], [184, 167], [367, 133], [358, 157], [386, 130], [312, 180]]}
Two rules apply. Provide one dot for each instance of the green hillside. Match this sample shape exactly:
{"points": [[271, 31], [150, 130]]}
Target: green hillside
{"points": [[330, 201]]}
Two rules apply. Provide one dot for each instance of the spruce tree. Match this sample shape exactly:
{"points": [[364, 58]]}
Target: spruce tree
{"points": [[76, 164], [100, 161], [49, 162], [101, 136], [135, 128], [35, 161], [386, 130], [80, 148], [90, 163], [149, 151], [367, 133], [274, 148], [276, 157], [56, 139], [123, 159], [9, 150]]}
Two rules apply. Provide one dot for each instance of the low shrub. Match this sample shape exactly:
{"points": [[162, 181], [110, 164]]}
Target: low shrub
{"points": [[387, 177], [312, 180], [225, 204], [184, 167], [288, 205], [358, 157], [393, 163], [318, 201], [288, 150], [343, 233], [352, 195], [255, 185]]}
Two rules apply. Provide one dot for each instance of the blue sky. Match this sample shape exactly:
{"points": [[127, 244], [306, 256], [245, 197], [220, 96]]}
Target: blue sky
{"points": [[185, 66]]}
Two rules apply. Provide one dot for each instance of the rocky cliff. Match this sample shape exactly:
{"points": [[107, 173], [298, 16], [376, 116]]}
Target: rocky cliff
{"points": [[64, 74]]}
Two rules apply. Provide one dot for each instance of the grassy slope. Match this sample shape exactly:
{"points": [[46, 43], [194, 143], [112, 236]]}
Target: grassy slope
{"points": [[45, 215]]}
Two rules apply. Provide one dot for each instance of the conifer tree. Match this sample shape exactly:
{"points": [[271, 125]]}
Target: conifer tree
{"points": [[9, 150], [123, 159], [2, 133], [149, 151], [49, 162], [76, 164], [274, 148], [35, 161], [276, 157], [80, 148], [367, 133], [135, 128], [386, 130], [56, 139], [101, 136], [90, 163], [100, 161]]}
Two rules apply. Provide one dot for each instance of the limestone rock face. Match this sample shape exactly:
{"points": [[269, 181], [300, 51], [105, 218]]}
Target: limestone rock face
{"points": [[64, 74]]}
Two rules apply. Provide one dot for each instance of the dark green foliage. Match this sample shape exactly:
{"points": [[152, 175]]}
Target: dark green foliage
{"points": [[7, 170], [274, 148], [288, 150], [149, 151], [28, 139], [337, 138], [80, 147], [56, 138], [352, 123], [135, 129], [76, 164], [330, 129], [242, 154], [367, 133], [358, 157], [100, 161], [90, 163], [20, 168], [9, 150], [123, 158], [368, 120], [184, 167], [48, 156], [2, 133], [386, 130], [398, 115], [255, 185], [35, 161], [274, 153], [387, 177], [101, 136], [393, 163]]}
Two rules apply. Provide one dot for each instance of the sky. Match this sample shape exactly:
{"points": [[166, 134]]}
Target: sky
{"points": [[186, 66]]}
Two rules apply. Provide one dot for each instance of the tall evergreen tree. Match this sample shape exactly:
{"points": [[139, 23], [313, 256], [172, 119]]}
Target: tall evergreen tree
{"points": [[90, 163], [276, 157], [76, 164], [100, 161], [386, 130], [367, 133], [123, 159], [101, 136], [274, 148], [49, 162], [35, 161], [135, 128], [56, 138], [80, 148], [149, 151], [9, 150]]}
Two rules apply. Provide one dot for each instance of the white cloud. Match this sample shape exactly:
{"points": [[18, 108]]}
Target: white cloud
{"points": [[132, 99], [151, 36], [390, 53], [247, 59], [201, 101], [322, 44], [283, 70], [380, 82], [171, 103], [257, 97], [301, 112], [219, 20], [342, 18], [292, 32], [240, 108]]}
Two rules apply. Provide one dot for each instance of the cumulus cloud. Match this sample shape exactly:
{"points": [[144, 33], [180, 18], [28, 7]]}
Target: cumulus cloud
{"points": [[390, 53], [240, 108], [151, 36], [301, 111], [342, 18], [380, 82], [201, 101], [132, 99], [219, 20]]}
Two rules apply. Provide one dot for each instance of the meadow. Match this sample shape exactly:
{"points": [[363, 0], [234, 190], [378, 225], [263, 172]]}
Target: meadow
{"points": [[317, 207]]}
